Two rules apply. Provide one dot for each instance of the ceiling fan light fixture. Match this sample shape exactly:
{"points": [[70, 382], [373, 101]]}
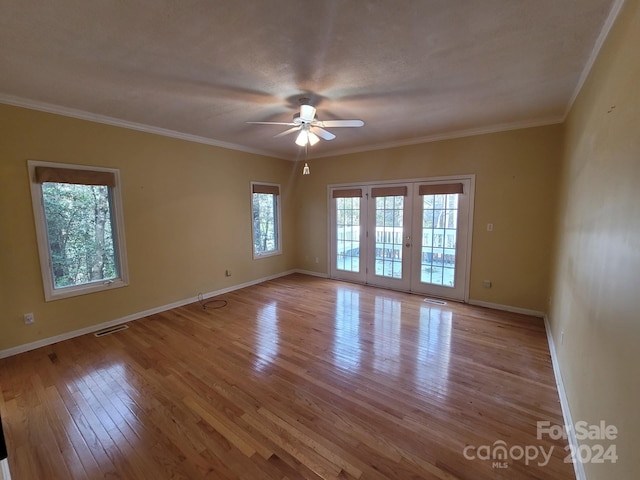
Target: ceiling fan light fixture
{"points": [[313, 138], [303, 138]]}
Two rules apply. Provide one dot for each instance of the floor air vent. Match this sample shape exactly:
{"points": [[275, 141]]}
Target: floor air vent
{"points": [[102, 333], [433, 300]]}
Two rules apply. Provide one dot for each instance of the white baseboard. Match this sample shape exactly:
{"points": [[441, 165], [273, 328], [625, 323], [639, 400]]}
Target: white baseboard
{"points": [[313, 274], [507, 308], [5, 474], [564, 402], [135, 316]]}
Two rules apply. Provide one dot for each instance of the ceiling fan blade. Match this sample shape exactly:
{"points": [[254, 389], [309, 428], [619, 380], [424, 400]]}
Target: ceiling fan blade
{"points": [[287, 132], [341, 123], [289, 124], [321, 132], [307, 113]]}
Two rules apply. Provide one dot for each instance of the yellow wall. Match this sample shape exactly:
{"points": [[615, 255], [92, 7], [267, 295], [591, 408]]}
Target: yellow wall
{"points": [[596, 282], [186, 212], [516, 190]]}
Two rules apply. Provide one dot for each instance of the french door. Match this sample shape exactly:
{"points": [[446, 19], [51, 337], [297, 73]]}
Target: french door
{"points": [[411, 236], [388, 234]]}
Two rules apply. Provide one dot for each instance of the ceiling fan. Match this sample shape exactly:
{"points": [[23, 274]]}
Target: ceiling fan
{"points": [[309, 128]]}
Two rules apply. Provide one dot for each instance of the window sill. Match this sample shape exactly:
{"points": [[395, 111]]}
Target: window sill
{"points": [[265, 255], [85, 289]]}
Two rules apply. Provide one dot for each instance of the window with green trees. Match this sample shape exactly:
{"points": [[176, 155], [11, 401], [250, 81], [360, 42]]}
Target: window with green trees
{"points": [[266, 219], [79, 226]]}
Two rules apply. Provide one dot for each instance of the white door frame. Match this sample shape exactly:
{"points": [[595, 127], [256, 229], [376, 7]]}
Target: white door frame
{"points": [[366, 185], [460, 291]]}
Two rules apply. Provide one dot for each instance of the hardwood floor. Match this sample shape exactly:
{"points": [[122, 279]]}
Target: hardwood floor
{"points": [[296, 378]]}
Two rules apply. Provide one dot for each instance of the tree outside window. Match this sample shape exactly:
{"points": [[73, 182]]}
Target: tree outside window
{"points": [[265, 219], [80, 234]]}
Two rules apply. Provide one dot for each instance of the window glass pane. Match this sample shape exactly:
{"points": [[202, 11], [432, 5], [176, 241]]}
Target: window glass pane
{"points": [[348, 234], [439, 232], [389, 231], [80, 233], [265, 223]]}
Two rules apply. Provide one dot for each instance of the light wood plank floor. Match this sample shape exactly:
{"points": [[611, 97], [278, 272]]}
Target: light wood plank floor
{"points": [[296, 378]]}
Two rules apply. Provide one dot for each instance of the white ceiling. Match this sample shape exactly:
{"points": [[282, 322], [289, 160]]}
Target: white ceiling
{"points": [[413, 70]]}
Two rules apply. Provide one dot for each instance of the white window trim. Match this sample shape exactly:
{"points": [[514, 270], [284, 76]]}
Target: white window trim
{"points": [[278, 251], [50, 292]]}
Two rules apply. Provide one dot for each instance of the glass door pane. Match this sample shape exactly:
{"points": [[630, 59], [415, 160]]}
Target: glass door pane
{"points": [[347, 234], [439, 234], [389, 234]]}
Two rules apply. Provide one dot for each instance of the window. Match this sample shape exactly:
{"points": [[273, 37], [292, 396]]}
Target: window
{"points": [[265, 208], [79, 227]]}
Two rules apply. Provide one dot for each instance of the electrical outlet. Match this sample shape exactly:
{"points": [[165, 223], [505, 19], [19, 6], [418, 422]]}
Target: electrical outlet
{"points": [[489, 227], [486, 283], [29, 318], [317, 260], [227, 273]]}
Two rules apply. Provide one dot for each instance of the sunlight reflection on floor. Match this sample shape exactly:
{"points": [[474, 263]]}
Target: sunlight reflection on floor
{"points": [[267, 335]]}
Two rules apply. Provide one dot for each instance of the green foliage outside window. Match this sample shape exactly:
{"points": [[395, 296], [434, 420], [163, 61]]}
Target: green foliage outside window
{"points": [[80, 233], [265, 226]]}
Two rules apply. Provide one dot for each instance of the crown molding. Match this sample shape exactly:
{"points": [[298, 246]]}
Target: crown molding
{"points": [[503, 127], [604, 33], [92, 117], [116, 122]]}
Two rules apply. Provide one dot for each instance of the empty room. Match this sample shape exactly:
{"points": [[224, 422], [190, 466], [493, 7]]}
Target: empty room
{"points": [[364, 239]]}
